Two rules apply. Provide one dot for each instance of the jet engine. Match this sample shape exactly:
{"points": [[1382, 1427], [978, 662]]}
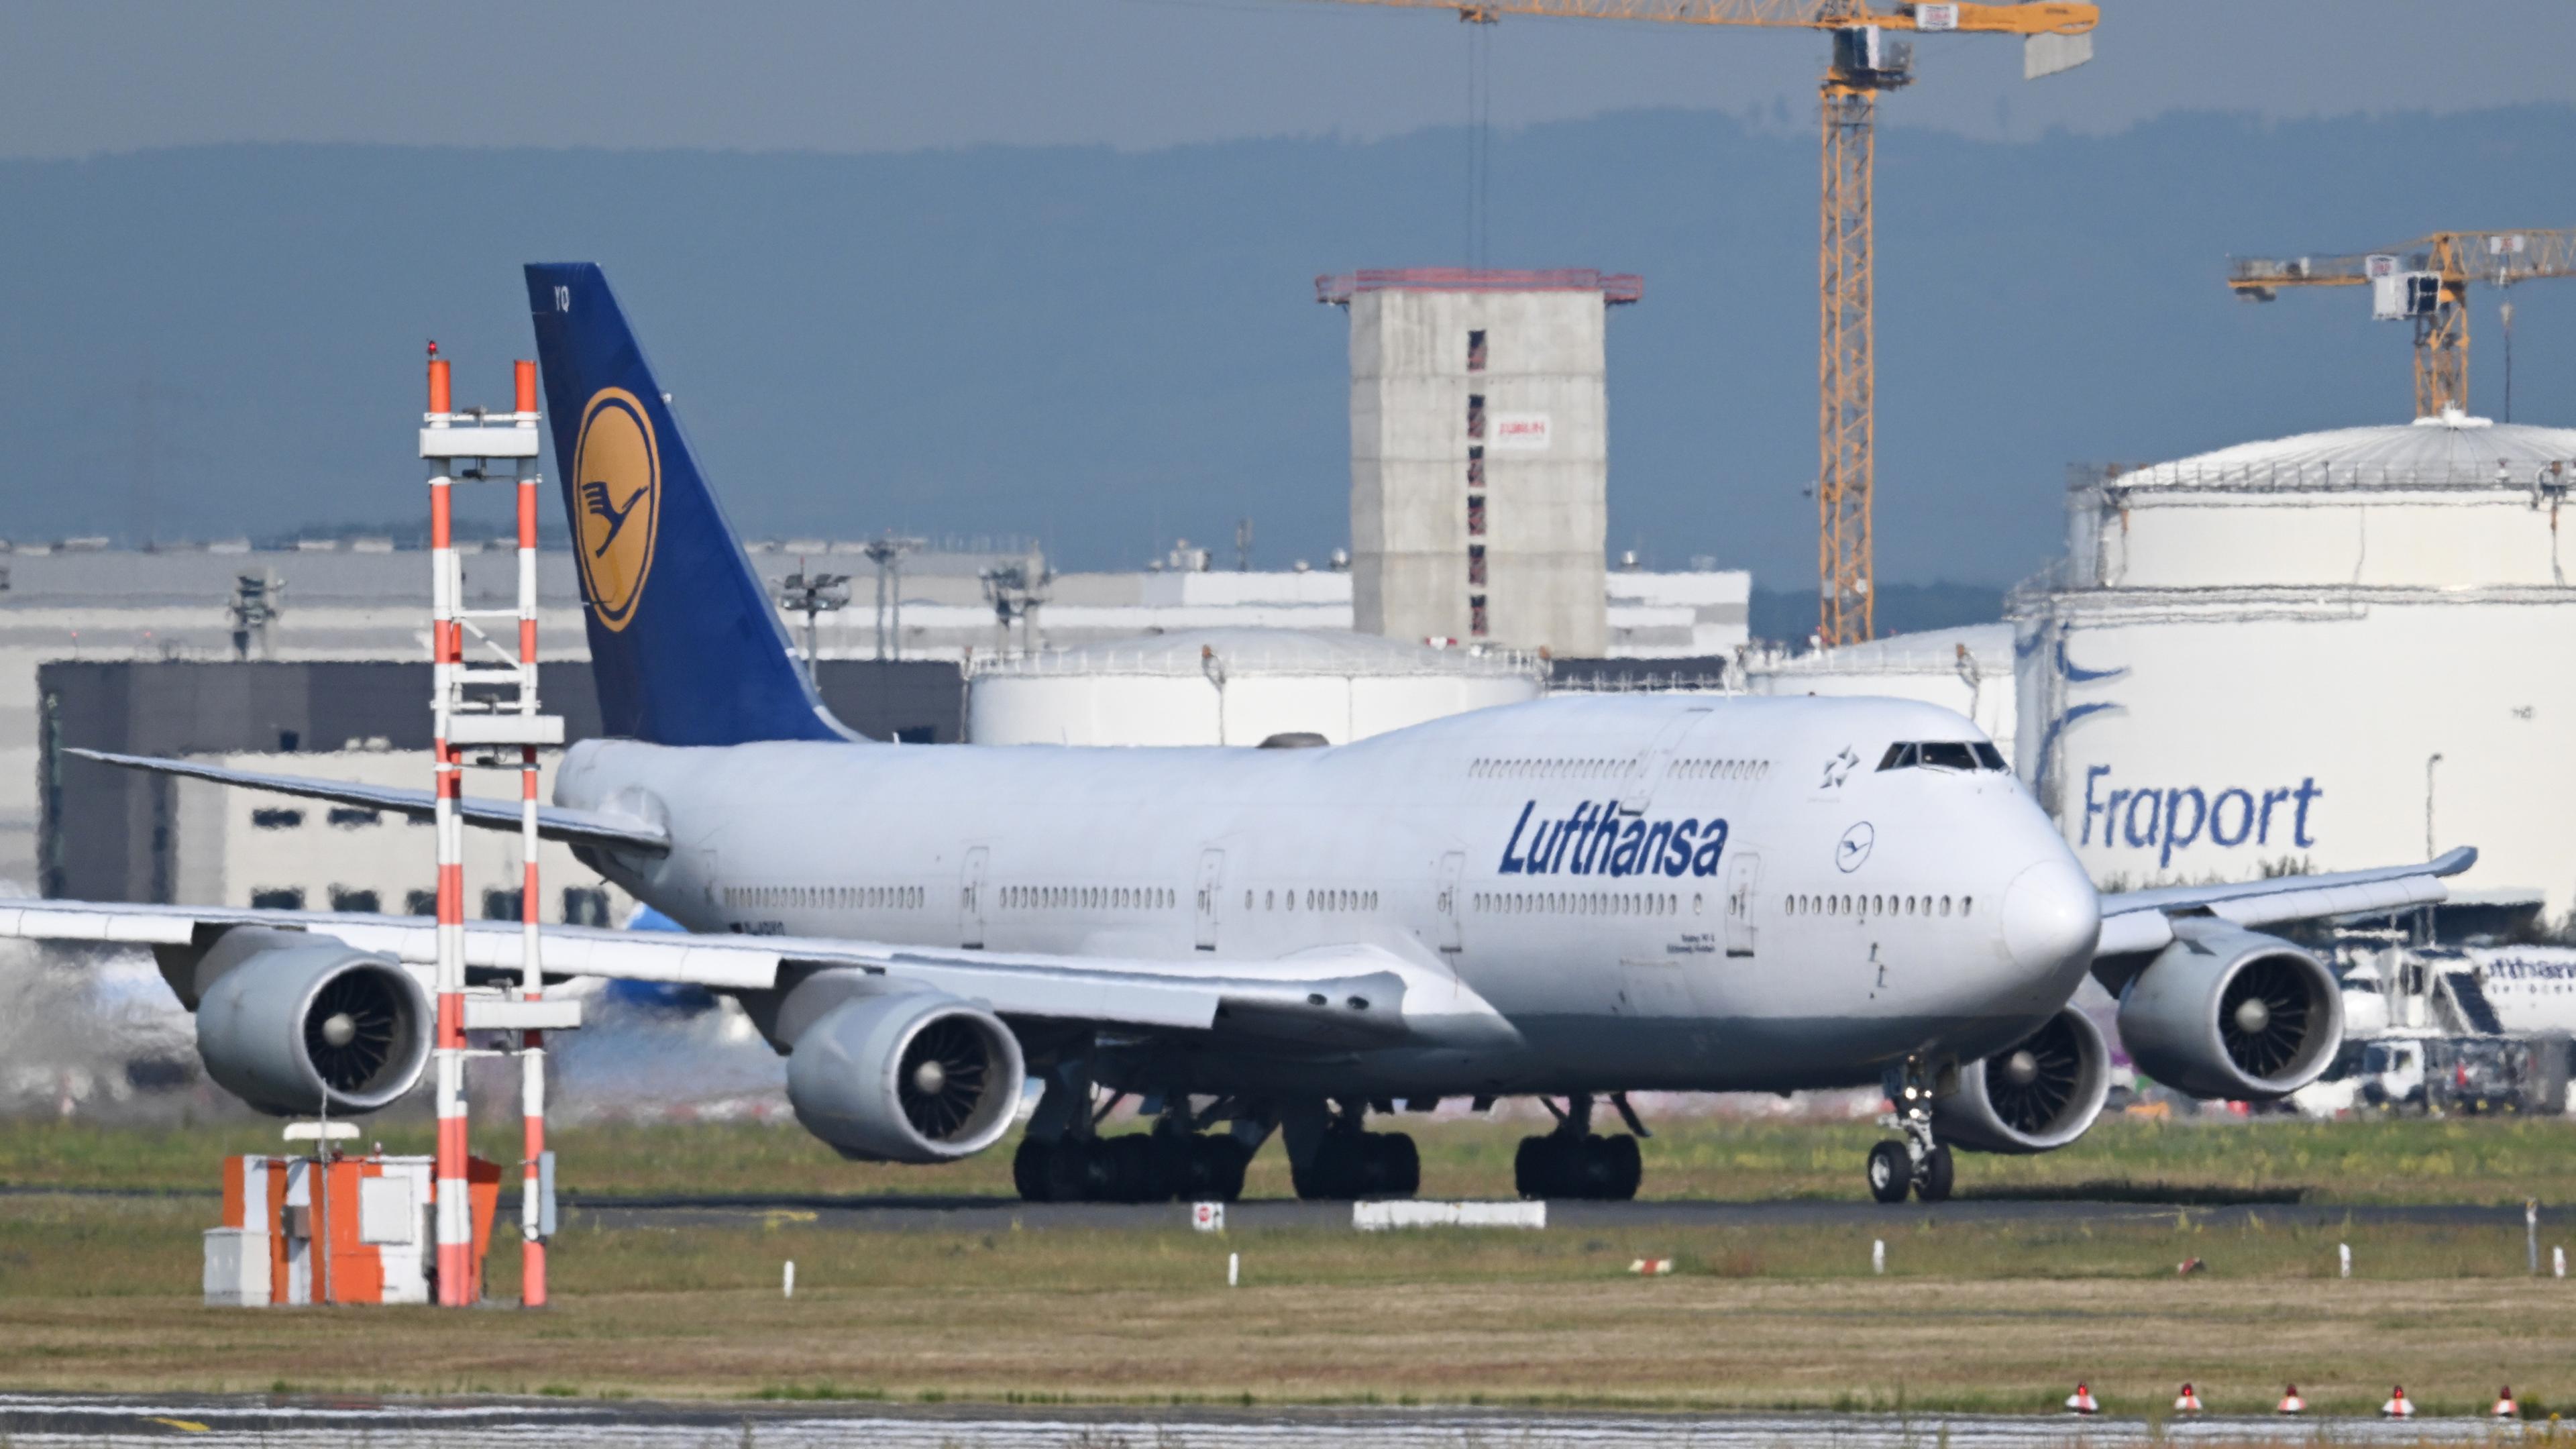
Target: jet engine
{"points": [[2227, 1012], [294, 1016], [916, 1076], [2036, 1095]]}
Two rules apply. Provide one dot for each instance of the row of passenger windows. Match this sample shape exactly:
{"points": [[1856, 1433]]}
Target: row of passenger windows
{"points": [[347, 817], [1581, 903], [871, 898], [1316, 900], [1879, 905], [1699, 769], [1107, 898], [1593, 769], [582, 905]]}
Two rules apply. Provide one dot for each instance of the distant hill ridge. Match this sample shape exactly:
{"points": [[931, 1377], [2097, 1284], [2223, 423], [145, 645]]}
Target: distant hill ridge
{"points": [[1110, 350]]}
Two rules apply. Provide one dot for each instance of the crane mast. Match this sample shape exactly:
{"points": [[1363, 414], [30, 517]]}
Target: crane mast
{"points": [[1868, 57]]}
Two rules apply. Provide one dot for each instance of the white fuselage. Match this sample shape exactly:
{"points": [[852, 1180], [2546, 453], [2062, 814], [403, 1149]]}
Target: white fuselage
{"points": [[1767, 908]]}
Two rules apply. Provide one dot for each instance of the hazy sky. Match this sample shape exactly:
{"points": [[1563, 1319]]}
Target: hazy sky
{"points": [[875, 75]]}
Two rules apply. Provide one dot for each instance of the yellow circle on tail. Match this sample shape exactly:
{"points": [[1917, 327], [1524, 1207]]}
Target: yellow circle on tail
{"points": [[617, 502]]}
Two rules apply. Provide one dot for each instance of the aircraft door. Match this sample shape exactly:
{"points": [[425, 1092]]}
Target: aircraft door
{"points": [[970, 900], [1453, 933], [1658, 758], [1211, 889], [1743, 877]]}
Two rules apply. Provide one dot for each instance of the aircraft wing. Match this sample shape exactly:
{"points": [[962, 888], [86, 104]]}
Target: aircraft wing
{"points": [[2140, 921], [554, 822], [1344, 996]]}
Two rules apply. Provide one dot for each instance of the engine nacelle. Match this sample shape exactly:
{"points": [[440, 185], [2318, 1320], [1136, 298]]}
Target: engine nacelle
{"points": [[917, 1076], [285, 1017], [2227, 1012], [2038, 1094]]}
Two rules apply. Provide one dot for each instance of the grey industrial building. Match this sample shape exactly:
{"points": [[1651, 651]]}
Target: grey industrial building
{"points": [[1480, 454]]}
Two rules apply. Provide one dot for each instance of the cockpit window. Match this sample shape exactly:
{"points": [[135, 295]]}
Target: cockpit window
{"points": [[1942, 755]]}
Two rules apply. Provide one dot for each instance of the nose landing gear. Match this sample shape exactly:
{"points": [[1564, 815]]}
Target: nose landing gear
{"points": [[1917, 1164]]}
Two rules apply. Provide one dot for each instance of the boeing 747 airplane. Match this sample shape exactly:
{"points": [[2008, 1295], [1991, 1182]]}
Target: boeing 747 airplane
{"points": [[1572, 899]]}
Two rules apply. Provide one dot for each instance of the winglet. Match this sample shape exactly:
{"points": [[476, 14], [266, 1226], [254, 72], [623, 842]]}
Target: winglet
{"points": [[2453, 861]]}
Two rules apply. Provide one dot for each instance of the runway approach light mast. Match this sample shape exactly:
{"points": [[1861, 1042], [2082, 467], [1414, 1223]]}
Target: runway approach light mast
{"points": [[1869, 56], [2426, 282], [486, 716]]}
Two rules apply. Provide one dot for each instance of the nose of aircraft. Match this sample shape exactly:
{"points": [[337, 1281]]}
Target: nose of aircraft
{"points": [[2051, 914]]}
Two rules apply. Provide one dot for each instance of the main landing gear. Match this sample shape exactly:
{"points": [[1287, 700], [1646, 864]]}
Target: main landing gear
{"points": [[1917, 1163], [1345, 1161], [1156, 1166], [1063, 1159], [1576, 1162]]}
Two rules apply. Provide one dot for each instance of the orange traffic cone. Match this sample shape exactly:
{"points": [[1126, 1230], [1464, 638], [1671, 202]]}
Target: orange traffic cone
{"points": [[2081, 1401], [2398, 1405], [2505, 1407], [2291, 1403], [2186, 1402]]}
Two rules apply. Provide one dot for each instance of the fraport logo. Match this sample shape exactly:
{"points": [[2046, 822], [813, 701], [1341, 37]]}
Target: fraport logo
{"points": [[1595, 841], [2170, 819]]}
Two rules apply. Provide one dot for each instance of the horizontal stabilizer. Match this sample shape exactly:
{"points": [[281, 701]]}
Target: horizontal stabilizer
{"points": [[554, 822]]}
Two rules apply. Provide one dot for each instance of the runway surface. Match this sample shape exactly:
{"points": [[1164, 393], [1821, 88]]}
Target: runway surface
{"points": [[990, 1214], [929, 1213], [31, 1419]]}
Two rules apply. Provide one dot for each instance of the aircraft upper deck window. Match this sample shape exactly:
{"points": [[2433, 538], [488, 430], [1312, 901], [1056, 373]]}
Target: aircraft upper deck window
{"points": [[1942, 755]]}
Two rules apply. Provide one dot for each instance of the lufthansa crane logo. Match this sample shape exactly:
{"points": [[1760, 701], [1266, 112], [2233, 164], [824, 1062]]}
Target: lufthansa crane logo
{"points": [[1853, 848], [617, 496]]}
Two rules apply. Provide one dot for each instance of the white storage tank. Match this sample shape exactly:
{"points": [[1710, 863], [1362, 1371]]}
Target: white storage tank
{"points": [[1968, 669], [2331, 651], [1234, 687]]}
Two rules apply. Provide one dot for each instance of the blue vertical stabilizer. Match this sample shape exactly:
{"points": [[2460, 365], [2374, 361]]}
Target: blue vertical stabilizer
{"points": [[685, 645]]}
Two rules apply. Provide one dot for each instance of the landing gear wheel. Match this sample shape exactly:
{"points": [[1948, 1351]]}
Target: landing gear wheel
{"points": [[1624, 1167], [1211, 1168], [1934, 1184], [1590, 1167], [1394, 1165], [1133, 1169], [1064, 1170], [1534, 1167], [1029, 1169], [1891, 1172]]}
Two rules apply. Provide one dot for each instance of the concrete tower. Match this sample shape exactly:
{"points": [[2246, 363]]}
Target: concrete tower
{"points": [[1480, 454]]}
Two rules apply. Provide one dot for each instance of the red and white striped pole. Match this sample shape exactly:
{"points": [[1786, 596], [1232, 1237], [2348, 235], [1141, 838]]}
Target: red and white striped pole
{"points": [[447, 646], [532, 1055]]}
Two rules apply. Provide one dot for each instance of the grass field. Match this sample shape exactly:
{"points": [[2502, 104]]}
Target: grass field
{"points": [[97, 1293], [2480, 1160], [1990, 1319]]}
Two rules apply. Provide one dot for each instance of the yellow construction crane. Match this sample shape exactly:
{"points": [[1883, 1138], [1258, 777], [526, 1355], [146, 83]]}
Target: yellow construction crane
{"points": [[2426, 281], [1869, 56]]}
